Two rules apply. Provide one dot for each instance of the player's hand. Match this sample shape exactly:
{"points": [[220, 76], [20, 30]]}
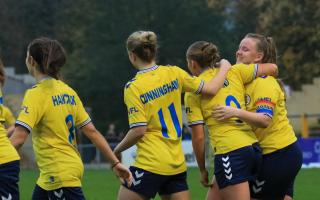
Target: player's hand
{"points": [[123, 173], [204, 180], [221, 113], [225, 65]]}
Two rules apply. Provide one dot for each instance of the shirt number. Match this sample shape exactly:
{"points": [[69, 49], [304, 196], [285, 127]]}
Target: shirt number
{"points": [[174, 119], [71, 128]]}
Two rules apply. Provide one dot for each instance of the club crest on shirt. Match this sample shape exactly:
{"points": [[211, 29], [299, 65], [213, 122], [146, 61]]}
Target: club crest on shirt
{"points": [[247, 99]]}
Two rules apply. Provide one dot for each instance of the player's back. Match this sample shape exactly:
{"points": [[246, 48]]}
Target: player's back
{"points": [[229, 134], [265, 95], [51, 111], [157, 92]]}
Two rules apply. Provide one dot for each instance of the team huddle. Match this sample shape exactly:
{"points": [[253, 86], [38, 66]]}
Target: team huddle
{"points": [[243, 107]]}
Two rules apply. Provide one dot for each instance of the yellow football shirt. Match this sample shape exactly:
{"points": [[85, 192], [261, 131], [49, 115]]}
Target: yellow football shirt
{"points": [[51, 110], [230, 134], [7, 152], [264, 95], [153, 99], [8, 116]]}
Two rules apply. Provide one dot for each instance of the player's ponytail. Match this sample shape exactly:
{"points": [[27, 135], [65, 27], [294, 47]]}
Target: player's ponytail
{"points": [[49, 55], [143, 44], [206, 54]]}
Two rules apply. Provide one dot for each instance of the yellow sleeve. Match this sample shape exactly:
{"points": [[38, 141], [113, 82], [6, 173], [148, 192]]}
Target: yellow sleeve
{"points": [[247, 72], [190, 83], [82, 118], [265, 97], [135, 108], [31, 110], [193, 109], [8, 116]]}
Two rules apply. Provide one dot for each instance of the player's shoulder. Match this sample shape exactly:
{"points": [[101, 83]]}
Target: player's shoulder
{"points": [[64, 86], [266, 80], [131, 83], [171, 69]]}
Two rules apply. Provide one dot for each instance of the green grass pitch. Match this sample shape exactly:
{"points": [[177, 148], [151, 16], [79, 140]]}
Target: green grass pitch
{"points": [[103, 185]]}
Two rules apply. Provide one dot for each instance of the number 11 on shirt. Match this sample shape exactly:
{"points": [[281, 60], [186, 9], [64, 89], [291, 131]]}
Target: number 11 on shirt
{"points": [[174, 118]]}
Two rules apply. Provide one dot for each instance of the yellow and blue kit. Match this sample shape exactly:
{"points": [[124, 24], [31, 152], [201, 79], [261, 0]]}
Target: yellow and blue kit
{"points": [[8, 116], [51, 110], [282, 157], [264, 95], [9, 162], [153, 99], [7, 152], [230, 134], [236, 155]]}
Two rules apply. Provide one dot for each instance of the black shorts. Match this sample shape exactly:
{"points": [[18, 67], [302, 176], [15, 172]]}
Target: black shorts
{"points": [[9, 178], [277, 174], [149, 184], [237, 166], [67, 193]]}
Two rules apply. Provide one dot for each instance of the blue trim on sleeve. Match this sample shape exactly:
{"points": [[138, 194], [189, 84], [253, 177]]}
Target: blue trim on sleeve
{"points": [[138, 124], [85, 123], [195, 123], [200, 87], [255, 73], [25, 125]]}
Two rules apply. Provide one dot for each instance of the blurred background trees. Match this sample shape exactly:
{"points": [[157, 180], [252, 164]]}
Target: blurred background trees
{"points": [[94, 34]]}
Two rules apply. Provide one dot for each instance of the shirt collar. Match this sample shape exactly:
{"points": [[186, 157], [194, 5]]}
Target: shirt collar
{"points": [[147, 69]]}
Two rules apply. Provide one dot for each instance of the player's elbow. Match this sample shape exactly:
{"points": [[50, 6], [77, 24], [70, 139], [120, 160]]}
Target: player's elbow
{"points": [[19, 137], [274, 70]]}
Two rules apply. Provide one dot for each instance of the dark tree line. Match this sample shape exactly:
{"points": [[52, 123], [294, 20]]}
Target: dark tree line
{"points": [[94, 34]]}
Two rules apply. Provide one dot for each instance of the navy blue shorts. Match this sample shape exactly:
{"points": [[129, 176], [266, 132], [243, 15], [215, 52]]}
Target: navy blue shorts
{"points": [[148, 184], [277, 174], [9, 178], [237, 166], [64, 193]]}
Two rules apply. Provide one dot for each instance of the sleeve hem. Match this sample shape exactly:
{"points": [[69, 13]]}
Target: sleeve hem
{"points": [[195, 123], [200, 87], [138, 124], [85, 123], [25, 125], [255, 73]]}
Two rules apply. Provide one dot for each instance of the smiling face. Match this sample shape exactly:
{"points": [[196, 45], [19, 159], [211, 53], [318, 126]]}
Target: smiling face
{"points": [[247, 52]]}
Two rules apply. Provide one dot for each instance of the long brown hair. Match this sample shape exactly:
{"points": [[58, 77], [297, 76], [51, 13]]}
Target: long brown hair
{"points": [[49, 55]]}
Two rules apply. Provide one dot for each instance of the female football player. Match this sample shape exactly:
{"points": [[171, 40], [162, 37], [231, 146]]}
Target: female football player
{"points": [[51, 110], [237, 155], [9, 158], [282, 158], [153, 99]]}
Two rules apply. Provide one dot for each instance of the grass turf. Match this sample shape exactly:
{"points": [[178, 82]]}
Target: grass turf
{"points": [[103, 185]]}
